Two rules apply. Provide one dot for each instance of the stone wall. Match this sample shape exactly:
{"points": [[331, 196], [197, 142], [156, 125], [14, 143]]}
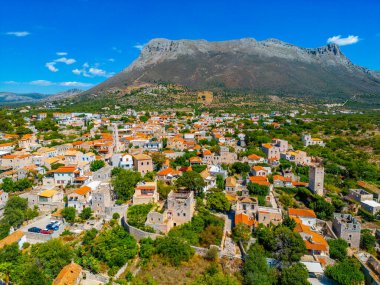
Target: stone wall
{"points": [[137, 233]]}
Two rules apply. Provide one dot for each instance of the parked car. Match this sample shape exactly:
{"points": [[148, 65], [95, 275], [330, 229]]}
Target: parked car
{"points": [[53, 227], [46, 232], [34, 230]]}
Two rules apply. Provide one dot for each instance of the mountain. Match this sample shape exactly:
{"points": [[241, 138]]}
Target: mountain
{"points": [[10, 97], [269, 67], [64, 94], [13, 98]]}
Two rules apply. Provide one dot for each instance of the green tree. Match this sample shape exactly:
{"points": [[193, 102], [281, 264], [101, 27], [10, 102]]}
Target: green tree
{"points": [[86, 213], [256, 189], [284, 244], [218, 201], [255, 269], [338, 249], [346, 272], [69, 214], [367, 240], [175, 250], [289, 222], [297, 274], [96, 165], [137, 214], [114, 247], [191, 180], [147, 248], [52, 256], [241, 232], [220, 181], [239, 167], [164, 189], [124, 182], [89, 236]]}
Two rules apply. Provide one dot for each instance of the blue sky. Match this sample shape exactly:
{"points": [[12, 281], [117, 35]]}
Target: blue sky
{"points": [[51, 45]]}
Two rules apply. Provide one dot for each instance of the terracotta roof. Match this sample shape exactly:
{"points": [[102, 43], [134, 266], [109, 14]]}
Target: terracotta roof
{"points": [[245, 219], [231, 181], [68, 275], [14, 237], [142, 156], [258, 168], [48, 193], [301, 213], [254, 157], [82, 190], [167, 171], [267, 145], [65, 169], [195, 159]]}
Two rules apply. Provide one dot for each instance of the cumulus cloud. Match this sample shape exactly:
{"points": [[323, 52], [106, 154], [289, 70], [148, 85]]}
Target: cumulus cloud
{"points": [[343, 41], [68, 61], [61, 53], [75, 84], [42, 82], [18, 34], [93, 71], [139, 46], [51, 66]]}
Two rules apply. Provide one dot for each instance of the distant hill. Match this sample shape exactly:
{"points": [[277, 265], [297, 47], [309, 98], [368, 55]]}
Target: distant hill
{"points": [[10, 97], [269, 67], [13, 98]]}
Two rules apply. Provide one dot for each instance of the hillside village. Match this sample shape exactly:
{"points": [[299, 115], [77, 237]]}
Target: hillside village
{"points": [[231, 189]]}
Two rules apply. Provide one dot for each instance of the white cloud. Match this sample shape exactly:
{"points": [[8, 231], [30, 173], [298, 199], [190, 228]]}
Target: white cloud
{"points": [[88, 71], [41, 82], [61, 53], [139, 46], [111, 59], [75, 84], [68, 61], [51, 66], [97, 71], [18, 34], [343, 41]]}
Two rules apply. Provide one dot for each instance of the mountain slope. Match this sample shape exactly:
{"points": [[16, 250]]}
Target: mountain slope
{"points": [[269, 67], [12, 98]]}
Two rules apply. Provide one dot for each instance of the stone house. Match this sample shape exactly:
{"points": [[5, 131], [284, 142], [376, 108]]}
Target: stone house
{"points": [[143, 163], [80, 198], [308, 140], [231, 184], [145, 193], [347, 227], [101, 200], [359, 195], [271, 151], [180, 210], [267, 216]]}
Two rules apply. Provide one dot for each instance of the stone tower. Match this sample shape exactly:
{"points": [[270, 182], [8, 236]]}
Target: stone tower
{"points": [[316, 177]]}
